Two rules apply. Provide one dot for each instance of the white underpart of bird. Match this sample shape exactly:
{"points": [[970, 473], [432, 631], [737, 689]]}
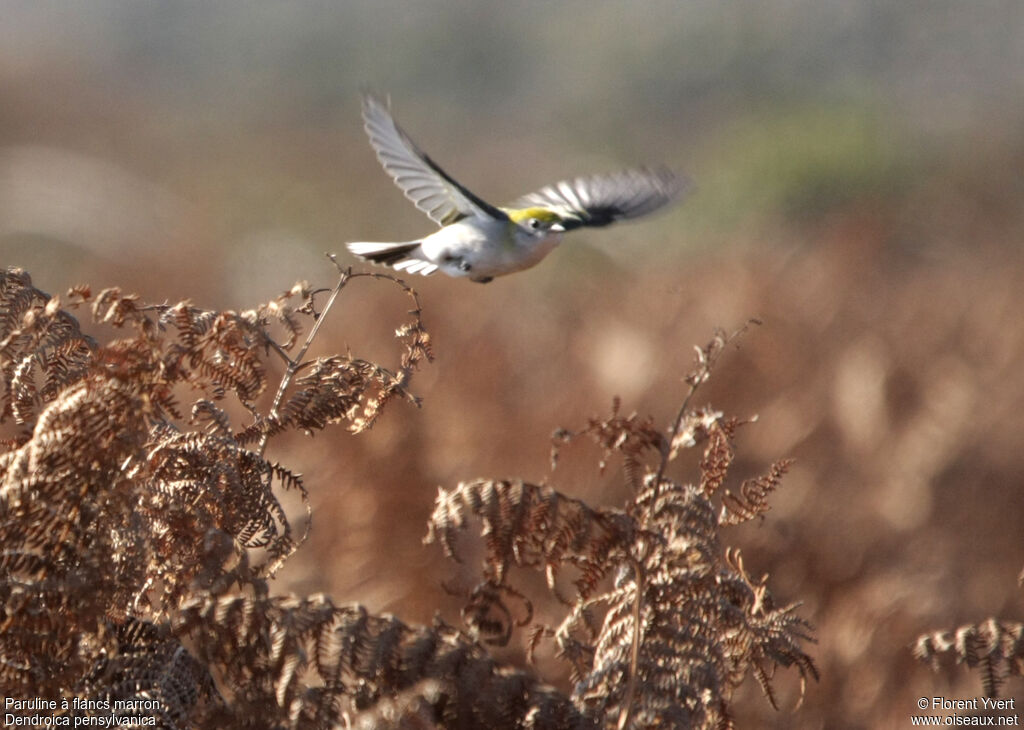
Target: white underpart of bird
{"points": [[481, 241]]}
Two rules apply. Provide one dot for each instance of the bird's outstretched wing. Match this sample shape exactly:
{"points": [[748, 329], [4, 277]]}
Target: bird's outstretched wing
{"points": [[598, 200], [420, 178]]}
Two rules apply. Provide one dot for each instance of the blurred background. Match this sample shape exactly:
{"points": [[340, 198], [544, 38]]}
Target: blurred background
{"points": [[858, 168]]}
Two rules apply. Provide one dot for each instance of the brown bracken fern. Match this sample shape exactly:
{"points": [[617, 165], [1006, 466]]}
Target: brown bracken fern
{"points": [[683, 623], [141, 525], [120, 506], [995, 648]]}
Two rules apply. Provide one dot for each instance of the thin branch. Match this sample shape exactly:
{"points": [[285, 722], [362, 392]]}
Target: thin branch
{"points": [[273, 345], [295, 363], [706, 360]]}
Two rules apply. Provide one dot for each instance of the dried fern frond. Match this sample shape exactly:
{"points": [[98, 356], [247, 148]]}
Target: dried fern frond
{"points": [[995, 648], [115, 509], [147, 674], [536, 527], [331, 390], [61, 573], [719, 453], [529, 526], [752, 500], [684, 429], [683, 624], [526, 524], [335, 389], [703, 624], [42, 349], [411, 709], [202, 483], [270, 651], [632, 437]]}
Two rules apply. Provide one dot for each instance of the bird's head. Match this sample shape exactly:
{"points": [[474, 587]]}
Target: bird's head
{"points": [[539, 220]]}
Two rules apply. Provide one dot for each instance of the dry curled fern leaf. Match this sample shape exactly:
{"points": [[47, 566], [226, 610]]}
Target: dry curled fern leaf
{"points": [[338, 389], [411, 709], [528, 526], [202, 482], [631, 437], [116, 510], [272, 651], [146, 674], [665, 622], [42, 349], [704, 625], [995, 648]]}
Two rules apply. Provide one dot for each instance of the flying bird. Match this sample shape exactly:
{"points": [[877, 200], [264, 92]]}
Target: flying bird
{"points": [[481, 241]]}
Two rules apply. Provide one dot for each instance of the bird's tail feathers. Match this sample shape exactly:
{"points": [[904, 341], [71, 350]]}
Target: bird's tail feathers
{"points": [[382, 253], [399, 256]]}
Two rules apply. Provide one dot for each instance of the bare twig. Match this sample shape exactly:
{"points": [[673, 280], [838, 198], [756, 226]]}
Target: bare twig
{"points": [[706, 360], [296, 362]]}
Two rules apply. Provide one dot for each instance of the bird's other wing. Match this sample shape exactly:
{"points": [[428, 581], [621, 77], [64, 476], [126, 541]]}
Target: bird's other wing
{"points": [[598, 200], [420, 178]]}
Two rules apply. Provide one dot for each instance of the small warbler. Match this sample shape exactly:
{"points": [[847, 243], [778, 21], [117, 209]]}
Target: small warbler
{"points": [[481, 241]]}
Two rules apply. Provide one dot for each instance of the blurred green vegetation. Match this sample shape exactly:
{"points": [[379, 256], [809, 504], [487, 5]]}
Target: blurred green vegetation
{"points": [[800, 163]]}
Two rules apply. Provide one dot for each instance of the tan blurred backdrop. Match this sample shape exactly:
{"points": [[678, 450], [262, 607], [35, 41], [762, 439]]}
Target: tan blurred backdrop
{"points": [[859, 190]]}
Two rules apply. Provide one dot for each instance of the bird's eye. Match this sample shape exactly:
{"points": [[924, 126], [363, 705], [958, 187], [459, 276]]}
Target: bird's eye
{"points": [[533, 223]]}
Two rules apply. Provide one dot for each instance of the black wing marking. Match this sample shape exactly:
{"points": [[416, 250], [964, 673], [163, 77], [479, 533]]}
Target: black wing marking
{"points": [[598, 200]]}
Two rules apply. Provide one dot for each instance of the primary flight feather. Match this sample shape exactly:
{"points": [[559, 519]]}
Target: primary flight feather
{"points": [[482, 241]]}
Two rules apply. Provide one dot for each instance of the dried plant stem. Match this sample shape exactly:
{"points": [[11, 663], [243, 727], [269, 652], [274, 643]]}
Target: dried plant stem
{"points": [[706, 359], [666, 446], [695, 379], [626, 713], [294, 363]]}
